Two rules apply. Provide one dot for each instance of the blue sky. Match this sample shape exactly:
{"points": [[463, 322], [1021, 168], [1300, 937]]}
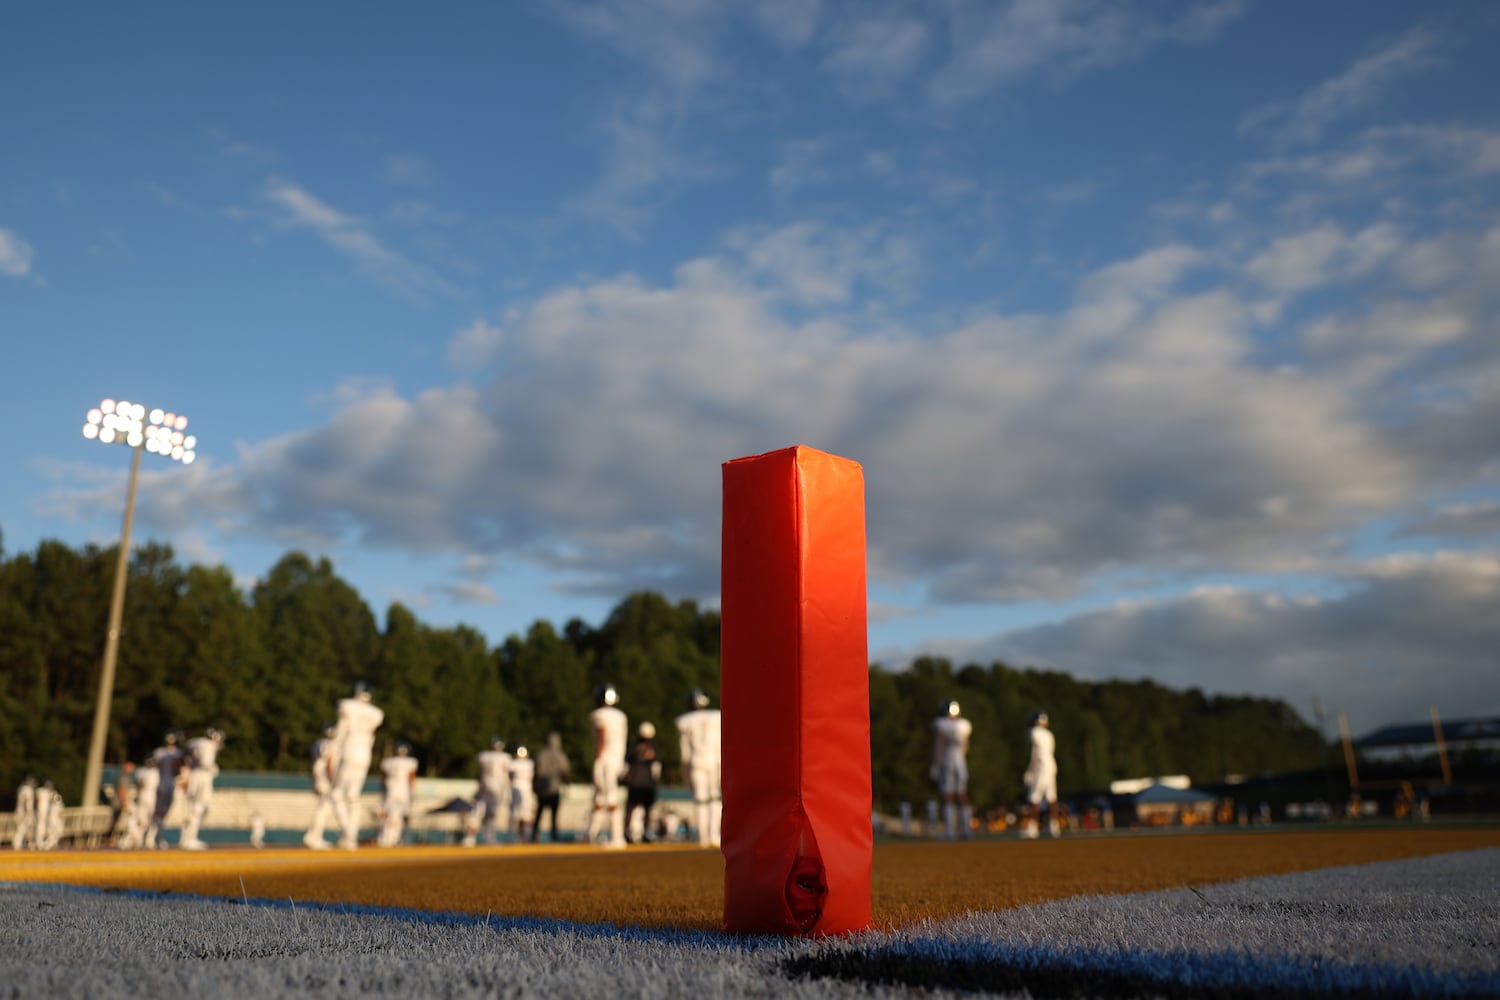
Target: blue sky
{"points": [[1166, 333]]}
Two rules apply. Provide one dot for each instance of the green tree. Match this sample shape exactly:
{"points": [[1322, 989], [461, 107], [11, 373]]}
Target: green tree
{"points": [[319, 639]]}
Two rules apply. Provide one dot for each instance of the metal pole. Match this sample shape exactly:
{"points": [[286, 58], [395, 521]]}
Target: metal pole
{"points": [[1442, 747], [111, 647], [1348, 753]]}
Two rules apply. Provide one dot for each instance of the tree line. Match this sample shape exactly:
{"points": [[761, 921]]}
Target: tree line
{"points": [[269, 664]]}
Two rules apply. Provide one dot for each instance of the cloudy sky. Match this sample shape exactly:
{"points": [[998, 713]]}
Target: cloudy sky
{"points": [[1167, 333]]}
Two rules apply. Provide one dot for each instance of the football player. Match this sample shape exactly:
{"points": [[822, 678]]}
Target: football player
{"points": [[49, 817], [138, 823], [322, 782], [353, 746], [950, 766], [494, 792], [610, 728], [399, 777], [168, 763], [201, 767], [522, 796], [698, 731], [1041, 779], [25, 834]]}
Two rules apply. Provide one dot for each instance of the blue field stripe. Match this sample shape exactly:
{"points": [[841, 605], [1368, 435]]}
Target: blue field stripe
{"points": [[1043, 972], [973, 964], [712, 940]]}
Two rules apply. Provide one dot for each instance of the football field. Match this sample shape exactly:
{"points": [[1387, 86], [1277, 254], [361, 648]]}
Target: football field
{"points": [[1345, 911]]}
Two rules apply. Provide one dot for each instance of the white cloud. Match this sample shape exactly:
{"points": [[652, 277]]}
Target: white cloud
{"points": [[874, 54], [995, 44], [641, 166], [1317, 256], [466, 593], [15, 254], [1469, 149], [1009, 457], [814, 265], [802, 163], [1305, 119], [1406, 633], [1147, 277], [354, 238], [1297, 263], [1457, 521], [1435, 297], [475, 346], [674, 39], [792, 23]]}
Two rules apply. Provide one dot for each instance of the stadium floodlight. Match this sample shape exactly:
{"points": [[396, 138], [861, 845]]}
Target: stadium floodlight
{"points": [[161, 433]]}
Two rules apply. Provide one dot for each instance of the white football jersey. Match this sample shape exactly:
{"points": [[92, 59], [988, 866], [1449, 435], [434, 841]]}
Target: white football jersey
{"points": [[26, 800], [398, 772], [952, 735], [699, 731], [204, 752], [355, 737], [522, 771], [146, 781], [1043, 747], [613, 724], [494, 771]]}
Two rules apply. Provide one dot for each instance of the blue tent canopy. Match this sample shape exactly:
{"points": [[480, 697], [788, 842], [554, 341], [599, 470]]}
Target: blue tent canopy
{"points": [[1166, 795]]}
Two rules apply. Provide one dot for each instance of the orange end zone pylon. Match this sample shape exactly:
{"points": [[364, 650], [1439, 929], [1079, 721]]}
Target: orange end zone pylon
{"points": [[795, 688]]}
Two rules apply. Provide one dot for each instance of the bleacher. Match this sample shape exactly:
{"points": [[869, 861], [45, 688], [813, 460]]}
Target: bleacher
{"points": [[82, 826]]}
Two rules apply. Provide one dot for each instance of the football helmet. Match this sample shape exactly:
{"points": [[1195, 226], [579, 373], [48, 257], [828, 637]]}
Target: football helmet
{"points": [[217, 735], [647, 731], [403, 749], [606, 695], [949, 708], [362, 690], [698, 699], [522, 753], [1038, 718], [497, 744]]}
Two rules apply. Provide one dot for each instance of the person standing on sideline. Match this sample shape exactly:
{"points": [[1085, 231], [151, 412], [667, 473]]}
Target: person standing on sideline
{"points": [[398, 778], [552, 772], [201, 766], [257, 831], [950, 766], [642, 772], [610, 726], [353, 746], [49, 817], [322, 782], [522, 795], [124, 803], [1041, 780], [138, 823], [699, 732], [25, 833], [168, 763], [494, 791]]}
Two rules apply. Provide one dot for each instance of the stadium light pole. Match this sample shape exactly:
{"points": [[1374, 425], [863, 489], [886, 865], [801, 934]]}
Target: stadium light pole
{"points": [[161, 433]]}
